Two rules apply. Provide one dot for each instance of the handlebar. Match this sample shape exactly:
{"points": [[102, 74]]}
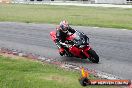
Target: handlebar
{"points": [[66, 45]]}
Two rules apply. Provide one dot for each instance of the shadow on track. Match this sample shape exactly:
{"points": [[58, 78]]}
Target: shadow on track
{"points": [[76, 60]]}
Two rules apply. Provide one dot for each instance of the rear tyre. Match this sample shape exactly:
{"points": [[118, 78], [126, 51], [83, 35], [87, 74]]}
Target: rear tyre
{"points": [[93, 56]]}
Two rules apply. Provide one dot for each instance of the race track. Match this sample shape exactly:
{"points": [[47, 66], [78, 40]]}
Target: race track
{"points": [[113, 46]]}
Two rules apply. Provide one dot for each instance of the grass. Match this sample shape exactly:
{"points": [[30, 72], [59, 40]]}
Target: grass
{"points": [[25, 73], [83, 16]]}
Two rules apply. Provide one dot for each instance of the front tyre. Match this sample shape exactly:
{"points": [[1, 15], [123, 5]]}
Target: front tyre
{"points": [[93, 56]]}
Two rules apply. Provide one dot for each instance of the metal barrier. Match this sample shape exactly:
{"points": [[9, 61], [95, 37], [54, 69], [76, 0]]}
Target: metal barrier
{"points": [[53, 1]]}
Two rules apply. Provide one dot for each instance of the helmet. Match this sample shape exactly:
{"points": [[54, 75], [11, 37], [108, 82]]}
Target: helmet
{"points": [[64, 25]]}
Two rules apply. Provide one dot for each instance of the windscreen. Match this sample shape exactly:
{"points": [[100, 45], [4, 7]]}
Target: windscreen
{"points": [[78, 38]]}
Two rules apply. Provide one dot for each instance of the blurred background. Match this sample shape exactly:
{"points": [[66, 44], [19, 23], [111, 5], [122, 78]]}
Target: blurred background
{"points": [[69, 1]]}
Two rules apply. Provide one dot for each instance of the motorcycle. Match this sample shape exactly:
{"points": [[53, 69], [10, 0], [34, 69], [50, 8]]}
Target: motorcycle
{"points": [[77, 45]]}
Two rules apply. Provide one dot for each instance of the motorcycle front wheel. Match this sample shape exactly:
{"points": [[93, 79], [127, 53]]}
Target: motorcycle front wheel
{"points": [[93, 56]]}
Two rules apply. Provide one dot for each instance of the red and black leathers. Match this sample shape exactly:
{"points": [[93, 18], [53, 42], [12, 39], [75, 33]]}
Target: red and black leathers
{"points": [[61, 37]]}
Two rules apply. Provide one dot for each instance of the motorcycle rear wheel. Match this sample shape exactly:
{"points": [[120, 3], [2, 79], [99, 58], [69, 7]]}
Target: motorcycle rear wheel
{"points": [[93, 56]]}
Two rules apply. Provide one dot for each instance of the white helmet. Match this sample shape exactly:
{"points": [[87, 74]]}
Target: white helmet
{"points": [[64, 25]]}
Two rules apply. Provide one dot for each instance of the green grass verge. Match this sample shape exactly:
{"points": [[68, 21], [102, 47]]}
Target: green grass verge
{"points": [[24, 73], [84, 16]]}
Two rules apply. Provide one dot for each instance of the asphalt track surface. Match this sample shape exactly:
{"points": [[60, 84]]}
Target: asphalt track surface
{"points": [[113, 46]]}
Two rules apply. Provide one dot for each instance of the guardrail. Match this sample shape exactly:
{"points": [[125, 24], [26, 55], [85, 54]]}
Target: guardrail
{"points": [[57, 1], [48, 2]]}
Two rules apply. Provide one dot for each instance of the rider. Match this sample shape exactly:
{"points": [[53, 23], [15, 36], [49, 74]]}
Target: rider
{"points": [[61, 33]]}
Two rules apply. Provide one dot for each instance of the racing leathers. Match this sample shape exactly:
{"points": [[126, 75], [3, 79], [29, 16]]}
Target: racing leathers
{"points": [[61, 37]]}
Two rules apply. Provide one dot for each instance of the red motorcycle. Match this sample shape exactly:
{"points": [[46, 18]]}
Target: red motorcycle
{"points": [[77, 45]]}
